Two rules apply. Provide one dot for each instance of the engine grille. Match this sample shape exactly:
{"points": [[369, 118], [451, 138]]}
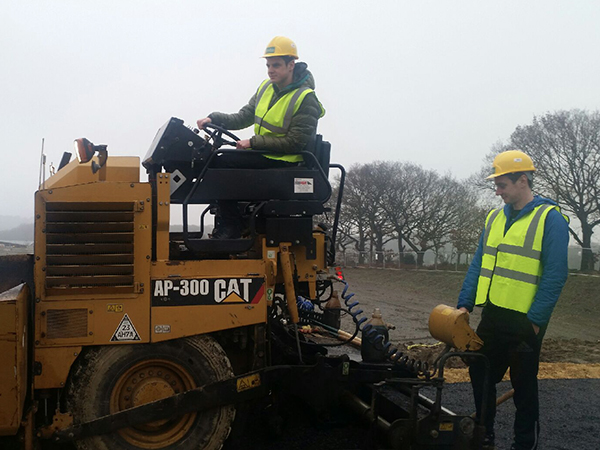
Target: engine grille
{"points": [[67, 323], [89, 247]]}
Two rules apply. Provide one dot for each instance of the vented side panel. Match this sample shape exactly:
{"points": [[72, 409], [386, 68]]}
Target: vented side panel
{"points": [[66, 323], [89, 247]]}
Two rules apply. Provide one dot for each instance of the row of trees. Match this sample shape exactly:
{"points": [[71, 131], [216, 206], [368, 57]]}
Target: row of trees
{"points": [[418, 208], [565, 147], [422, 210]]}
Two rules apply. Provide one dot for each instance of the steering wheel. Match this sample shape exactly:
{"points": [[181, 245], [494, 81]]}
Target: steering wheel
{"points": [[216, 132]]}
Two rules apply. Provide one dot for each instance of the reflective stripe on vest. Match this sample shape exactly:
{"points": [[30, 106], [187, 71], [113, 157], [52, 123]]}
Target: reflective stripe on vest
{"points": [[510, 265], [276, 120]]}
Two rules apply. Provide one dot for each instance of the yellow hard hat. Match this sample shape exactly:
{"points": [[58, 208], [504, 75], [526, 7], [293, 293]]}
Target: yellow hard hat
{"points": [[511, 161], [281, 46]]}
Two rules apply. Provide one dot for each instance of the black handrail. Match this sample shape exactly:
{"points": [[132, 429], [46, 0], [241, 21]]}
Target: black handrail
{"points": [[338, 208]]}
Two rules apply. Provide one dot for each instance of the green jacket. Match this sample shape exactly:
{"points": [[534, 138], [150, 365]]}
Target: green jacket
{"points": [[304, 122]]}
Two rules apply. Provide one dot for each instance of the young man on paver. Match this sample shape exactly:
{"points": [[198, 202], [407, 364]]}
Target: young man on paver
{"points": [[517, 274], [284, 111]]}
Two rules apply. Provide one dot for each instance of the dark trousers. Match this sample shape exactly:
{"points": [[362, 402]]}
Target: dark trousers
{"points": [[229, 214], [510, 342]]}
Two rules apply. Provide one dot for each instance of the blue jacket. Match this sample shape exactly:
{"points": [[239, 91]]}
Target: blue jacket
{"points": [[554, 262]]}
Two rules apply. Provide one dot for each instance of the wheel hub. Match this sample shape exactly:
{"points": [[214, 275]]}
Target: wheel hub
{"points": [[146, 382]]}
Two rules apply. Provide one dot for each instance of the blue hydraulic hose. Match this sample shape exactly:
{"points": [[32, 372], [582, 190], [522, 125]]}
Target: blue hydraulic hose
{"points": [[378, 340], [305, 305]]}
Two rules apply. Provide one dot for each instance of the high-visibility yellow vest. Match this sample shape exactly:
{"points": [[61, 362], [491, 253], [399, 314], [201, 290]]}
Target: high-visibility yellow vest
{"points": [[276, 120], [511, 265]]}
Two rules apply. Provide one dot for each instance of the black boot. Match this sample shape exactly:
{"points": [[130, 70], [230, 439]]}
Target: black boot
{"points": [[227, 230], [228, 221], [489, 441]]}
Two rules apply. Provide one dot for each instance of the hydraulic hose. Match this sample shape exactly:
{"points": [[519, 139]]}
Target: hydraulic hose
{"points": [[308, 306], [415, 366]]}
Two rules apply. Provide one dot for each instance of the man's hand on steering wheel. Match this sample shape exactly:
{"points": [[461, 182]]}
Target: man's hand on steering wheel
{"points": [[216, 132], [202, 122], [243, 144]]}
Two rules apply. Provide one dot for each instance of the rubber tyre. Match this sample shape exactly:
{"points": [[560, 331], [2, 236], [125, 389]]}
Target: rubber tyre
{"points": [[98, 379]]}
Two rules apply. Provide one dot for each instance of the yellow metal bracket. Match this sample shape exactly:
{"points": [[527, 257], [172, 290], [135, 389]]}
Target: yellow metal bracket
{"points": [[288, 280], [61, 421], [139, 205], [138, 288]]}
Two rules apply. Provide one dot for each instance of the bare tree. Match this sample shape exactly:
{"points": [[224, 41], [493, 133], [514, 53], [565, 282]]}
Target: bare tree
{"points": [[394, 200], [471, 218], [376, 177], [345, 230], [565, 146], [365, 222], [400, 202], [438, 212], [353, 213]]}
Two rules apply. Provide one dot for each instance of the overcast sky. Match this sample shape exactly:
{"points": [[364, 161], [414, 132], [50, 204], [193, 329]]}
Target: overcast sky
{"points": [[433, 82]]}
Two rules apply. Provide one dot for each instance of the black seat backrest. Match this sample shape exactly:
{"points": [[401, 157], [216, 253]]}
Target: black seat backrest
{"points": [[322, 151], [324, 156]]}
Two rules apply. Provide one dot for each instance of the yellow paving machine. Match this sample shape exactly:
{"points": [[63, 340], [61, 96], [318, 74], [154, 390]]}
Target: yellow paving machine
{"points": [[119, 333]]}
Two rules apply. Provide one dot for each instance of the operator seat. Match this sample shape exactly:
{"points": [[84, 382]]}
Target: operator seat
{"points": [[287, 198]]}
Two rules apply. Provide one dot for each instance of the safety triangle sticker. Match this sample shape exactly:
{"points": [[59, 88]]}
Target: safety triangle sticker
{"points": [[125, 331]]}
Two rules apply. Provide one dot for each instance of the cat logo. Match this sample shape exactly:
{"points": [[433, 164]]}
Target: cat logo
{"points": [[207, 291]]}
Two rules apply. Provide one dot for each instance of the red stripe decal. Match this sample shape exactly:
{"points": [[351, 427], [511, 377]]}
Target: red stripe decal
{"points": [[258, 295]]}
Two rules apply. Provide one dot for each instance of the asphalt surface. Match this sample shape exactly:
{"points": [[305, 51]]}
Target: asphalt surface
{"points": [[569, 413], [570, 420]]}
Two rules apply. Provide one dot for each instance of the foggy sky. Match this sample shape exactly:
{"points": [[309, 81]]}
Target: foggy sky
{"points": [[433, 82]]}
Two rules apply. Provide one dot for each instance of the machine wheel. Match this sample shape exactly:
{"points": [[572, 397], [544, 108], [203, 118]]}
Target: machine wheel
{"points": [[112, 378]]}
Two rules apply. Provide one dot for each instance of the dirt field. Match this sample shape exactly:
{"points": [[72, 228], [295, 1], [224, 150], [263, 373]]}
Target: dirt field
{"points": [[407, 297]]}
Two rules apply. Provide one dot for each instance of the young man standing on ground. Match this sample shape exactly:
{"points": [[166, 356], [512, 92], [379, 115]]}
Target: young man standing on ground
{"points": [[284, 111], [517, 274]]}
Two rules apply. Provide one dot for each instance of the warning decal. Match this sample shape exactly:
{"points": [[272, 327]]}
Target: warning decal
{"points": [[304, 186], [125, 331], [249, 382]]}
